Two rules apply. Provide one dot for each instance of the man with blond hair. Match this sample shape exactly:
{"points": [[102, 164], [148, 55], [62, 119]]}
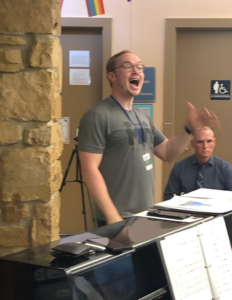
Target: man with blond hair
{"points": [[201, 170], [117, 144]]}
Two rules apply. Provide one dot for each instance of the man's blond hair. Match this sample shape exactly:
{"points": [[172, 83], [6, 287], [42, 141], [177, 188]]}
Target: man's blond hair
{"points": [[111, 63]]}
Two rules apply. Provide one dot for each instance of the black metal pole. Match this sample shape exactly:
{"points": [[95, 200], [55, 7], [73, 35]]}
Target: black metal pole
{"points": [[67, 170], [80, 180], [77, 179]]}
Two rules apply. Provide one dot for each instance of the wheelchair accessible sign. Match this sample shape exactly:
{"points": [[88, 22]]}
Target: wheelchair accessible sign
{"points": [[220, 89]]}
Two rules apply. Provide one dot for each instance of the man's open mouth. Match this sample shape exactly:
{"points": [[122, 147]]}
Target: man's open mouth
{"points": [[135, 82]]}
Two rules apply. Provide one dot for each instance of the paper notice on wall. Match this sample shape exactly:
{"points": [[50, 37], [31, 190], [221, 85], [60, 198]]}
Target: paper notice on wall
{"points": [[79, 77], [79, 59], [65, 128]]}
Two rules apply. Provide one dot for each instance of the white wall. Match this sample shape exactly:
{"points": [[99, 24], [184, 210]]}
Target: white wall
{"points": [[139, 26]]}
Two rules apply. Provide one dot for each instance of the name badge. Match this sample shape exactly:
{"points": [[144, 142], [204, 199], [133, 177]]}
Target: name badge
{"points": [[147, 161]]}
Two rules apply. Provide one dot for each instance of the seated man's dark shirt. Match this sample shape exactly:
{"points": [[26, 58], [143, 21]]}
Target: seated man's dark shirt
{"points": [[217, 174]]}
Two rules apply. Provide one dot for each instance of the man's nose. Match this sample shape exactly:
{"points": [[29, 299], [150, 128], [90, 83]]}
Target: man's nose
{"points": [[204, 144], [135, 70]]}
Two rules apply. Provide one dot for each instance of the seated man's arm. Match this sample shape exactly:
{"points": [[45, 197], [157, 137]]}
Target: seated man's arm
{"points": [[96, 184], [173, 186]]}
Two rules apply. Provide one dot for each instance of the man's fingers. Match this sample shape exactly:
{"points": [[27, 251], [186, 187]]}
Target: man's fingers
{"points": [[210, 119], [204, 117], [191, 106], [215, 120], [206, 111]]}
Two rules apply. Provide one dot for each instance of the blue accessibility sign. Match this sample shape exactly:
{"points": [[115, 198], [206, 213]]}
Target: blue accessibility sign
{"points": [[147, 93], [220, 89]]}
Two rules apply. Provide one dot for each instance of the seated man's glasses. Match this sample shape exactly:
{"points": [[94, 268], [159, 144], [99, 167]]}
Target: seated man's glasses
{"points": [[129, 67]]}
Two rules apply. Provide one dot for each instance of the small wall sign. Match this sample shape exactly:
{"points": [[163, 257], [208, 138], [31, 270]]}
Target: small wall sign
{"points": [[65, 128], [147, 108], [220, 89]]}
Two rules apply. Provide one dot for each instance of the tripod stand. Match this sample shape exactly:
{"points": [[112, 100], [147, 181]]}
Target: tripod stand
{"points": [[77, 179]]}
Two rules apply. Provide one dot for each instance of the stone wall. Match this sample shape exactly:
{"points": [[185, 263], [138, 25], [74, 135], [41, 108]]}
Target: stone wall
{"points": [[30, 135]]}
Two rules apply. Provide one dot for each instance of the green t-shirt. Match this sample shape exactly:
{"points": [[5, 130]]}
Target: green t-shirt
{"points": [[106, 129]]}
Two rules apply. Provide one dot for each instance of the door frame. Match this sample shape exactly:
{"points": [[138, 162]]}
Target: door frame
{"points": [[105, 25], [172, 26]]}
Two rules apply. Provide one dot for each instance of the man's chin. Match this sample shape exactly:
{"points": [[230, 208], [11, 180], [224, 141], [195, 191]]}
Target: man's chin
{"points": [[206, 157], [135, 93]]}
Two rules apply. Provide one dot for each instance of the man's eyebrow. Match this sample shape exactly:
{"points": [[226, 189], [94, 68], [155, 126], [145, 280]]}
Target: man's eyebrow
{"points": [[200, 141], [139, 62]]}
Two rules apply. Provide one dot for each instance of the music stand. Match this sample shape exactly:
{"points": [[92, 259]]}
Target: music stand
{"points": [[78, 179]]}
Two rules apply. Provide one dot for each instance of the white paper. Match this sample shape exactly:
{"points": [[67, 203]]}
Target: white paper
{"points": [[211, 193], [79, 77], [186, 267], [78, 238], [200, 202], [65, 128], [187, 220], [79, 58], [205, 246], [216, 246]]}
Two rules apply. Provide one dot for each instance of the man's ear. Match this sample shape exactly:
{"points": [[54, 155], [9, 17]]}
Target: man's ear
{"points": [[110, 76], [215, 141], [192, 143]]}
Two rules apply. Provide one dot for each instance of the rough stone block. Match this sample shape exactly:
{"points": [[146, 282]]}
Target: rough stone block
{"points": [[56, 140], [59, 59], [14, 213], [10, 60], [46, 219], [45, 52], [49, 135], [30, 16], [10, 133], [12, 40], [55, 176], [38, 136], [28, 96], [29, 174], [13, 236], [56, 108]]}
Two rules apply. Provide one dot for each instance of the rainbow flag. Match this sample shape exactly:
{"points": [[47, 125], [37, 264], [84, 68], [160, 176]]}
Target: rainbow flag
{"points": [[95, 7]]}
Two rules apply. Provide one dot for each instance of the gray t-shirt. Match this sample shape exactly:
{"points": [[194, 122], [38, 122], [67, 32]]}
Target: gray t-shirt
{"points": [[106, 129]]}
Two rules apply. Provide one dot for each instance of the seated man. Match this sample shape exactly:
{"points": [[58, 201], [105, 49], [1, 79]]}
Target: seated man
{"points": [[203, 169]]}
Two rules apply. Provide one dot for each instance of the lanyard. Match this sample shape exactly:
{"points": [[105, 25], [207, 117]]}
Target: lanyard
{"points": [[141, 131]]}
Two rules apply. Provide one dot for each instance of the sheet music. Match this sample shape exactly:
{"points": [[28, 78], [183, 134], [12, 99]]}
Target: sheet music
{"points": [[186, 267], [217, 250]]}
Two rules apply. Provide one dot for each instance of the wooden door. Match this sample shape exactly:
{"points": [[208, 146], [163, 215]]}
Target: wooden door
{"points": [[77, 99]]}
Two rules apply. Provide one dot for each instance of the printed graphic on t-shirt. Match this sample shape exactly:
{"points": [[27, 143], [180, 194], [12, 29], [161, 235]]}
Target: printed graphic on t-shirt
{"points": [[132, 134]]}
